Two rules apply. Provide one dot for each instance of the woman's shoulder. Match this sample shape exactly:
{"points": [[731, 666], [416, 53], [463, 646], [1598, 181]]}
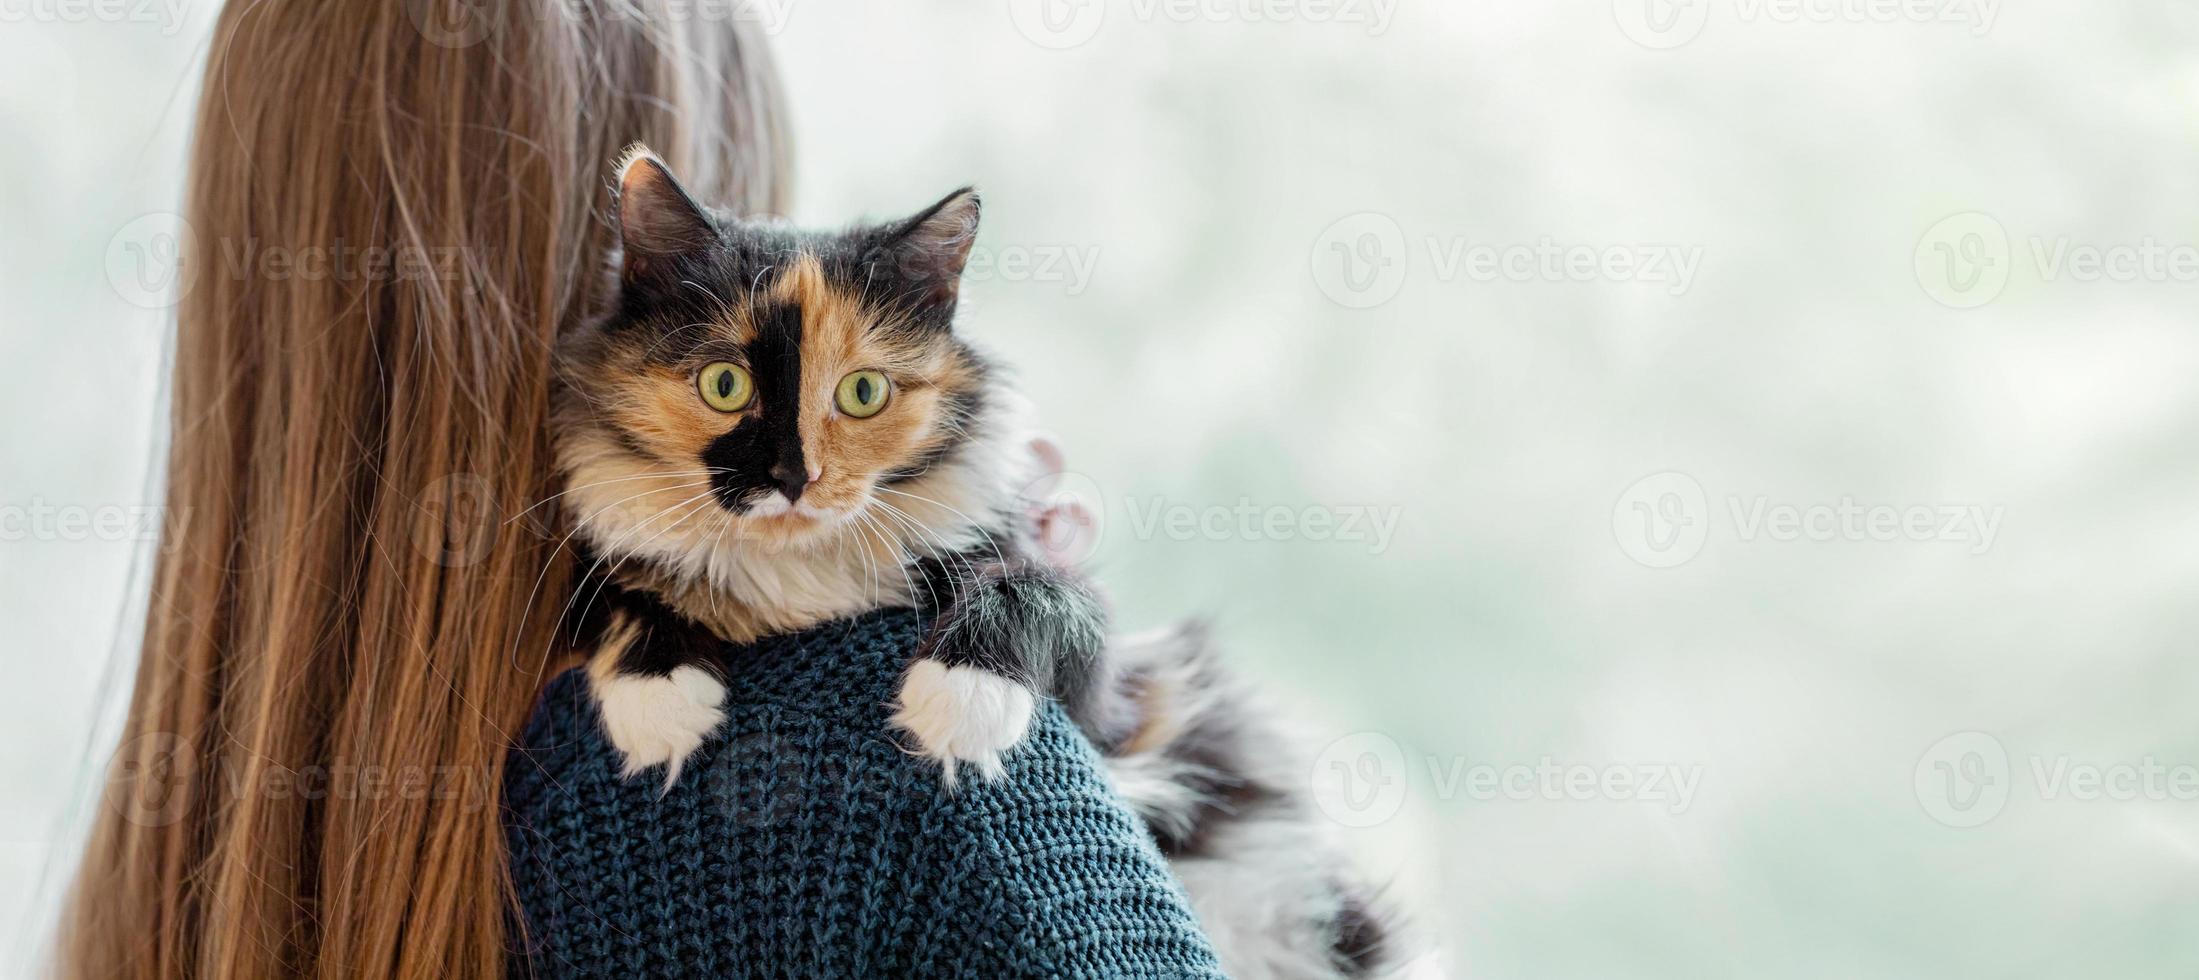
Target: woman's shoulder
{"points": [[802, 840]]}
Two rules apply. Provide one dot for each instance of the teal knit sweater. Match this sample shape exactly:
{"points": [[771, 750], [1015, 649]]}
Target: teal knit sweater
{"points": [[802, 842]]}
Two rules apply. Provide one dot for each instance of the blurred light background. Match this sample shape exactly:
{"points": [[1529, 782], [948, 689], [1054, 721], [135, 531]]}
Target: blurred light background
{"points": [[1787, 403]]}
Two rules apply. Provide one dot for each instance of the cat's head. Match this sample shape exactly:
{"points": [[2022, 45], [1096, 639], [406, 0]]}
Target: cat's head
{"points": [[756, 383]]}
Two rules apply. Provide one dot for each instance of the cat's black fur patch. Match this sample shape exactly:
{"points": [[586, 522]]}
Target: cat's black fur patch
{"points": [[1362, 934], [665, 640], [1017, 618], [764, 453]]}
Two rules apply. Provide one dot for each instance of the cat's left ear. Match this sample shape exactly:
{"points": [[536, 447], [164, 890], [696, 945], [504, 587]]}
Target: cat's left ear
{"points": [[928, 252], [658, 221]]}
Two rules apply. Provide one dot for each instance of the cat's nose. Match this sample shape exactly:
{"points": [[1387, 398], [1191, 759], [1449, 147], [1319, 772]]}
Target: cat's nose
{"points": [[791, 478]]}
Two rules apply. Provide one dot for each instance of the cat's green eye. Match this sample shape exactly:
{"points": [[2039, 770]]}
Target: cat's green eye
{"points": [[726, 386], [863, 394]]}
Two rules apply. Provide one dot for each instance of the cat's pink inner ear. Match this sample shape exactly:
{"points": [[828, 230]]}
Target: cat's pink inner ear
{"points": [[935, 245], [656, 215], [948, 232]]}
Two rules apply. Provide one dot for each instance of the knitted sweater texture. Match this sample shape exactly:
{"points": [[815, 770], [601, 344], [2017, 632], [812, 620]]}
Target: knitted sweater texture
{"points": [[802, 841]]}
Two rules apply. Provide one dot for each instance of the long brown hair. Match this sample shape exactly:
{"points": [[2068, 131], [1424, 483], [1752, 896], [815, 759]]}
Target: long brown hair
{"points": [[346, 628]]}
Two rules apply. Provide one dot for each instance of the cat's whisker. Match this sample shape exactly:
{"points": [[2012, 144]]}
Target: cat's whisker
{"points": [[710, 561], [700, 506], [938, 546], [889, 511], [723, 306], [877, 587], [997, 556], [667, 338], [602, 483], [942, 553], [870, 567], [848, 534], [614, 543], [512, 656], [614, 546]]}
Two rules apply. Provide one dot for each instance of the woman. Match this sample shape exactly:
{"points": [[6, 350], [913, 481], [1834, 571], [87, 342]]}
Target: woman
{"points": [[347, 632], [328, 596]]}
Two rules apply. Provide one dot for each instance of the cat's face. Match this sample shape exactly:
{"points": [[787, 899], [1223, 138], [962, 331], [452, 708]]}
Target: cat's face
{"points": [[765, 384]]}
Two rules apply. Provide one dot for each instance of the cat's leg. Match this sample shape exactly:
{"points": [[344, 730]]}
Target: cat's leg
{"points": [[657, 689], [1006, 634]]}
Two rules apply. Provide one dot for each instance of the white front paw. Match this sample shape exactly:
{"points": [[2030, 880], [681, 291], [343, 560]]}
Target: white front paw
{"points": [[963, 714], [660, 720]]}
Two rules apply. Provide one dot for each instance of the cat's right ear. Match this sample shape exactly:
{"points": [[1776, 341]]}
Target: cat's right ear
{"points": [[658, 221]]}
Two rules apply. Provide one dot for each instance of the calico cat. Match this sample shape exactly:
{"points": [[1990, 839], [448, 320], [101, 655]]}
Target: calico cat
{"points": [[773, 428]]}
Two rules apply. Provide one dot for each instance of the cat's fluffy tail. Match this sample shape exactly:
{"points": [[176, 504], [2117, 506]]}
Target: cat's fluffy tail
{"points": [[1226, 795]]}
